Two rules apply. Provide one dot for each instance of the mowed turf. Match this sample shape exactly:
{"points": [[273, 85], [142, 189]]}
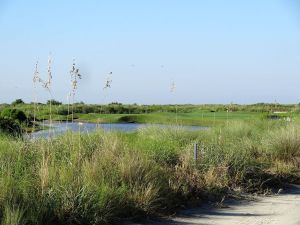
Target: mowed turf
{"points": [[197, 118]]}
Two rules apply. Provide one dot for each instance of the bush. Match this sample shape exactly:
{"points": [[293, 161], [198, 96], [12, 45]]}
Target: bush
{"points": [[284, 144], [9, 126], [14, 114]]}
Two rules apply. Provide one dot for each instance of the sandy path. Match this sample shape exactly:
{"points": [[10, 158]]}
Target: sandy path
{"points": [[283, 209]]}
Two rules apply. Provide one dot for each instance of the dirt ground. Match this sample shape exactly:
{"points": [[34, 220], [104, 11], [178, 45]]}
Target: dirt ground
{"points": [[280, 209]]}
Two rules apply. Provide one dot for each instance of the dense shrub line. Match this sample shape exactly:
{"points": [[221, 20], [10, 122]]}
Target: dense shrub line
{"points": [[118, 108]]}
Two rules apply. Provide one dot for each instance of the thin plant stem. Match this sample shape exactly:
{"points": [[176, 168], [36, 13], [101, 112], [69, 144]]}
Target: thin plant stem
{"points": [[35, 80], [67, 122], [107, 86], [73, 109], [172, 90], [176, 114], [227, 116]]}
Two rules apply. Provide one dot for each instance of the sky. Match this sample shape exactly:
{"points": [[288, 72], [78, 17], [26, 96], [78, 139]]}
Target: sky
{"points": [[214, 51]]}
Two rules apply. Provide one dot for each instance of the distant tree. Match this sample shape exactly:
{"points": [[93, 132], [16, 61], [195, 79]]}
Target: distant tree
{"points": [[53, 102], [79, 103], [38, 103], [18, 101], [115, 103]]}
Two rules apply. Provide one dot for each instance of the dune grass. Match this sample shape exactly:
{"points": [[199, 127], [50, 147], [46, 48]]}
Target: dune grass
{"points": [[105, 177]]}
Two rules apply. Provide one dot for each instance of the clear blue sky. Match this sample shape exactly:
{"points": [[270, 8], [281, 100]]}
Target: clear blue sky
{"points": [[215, 51]]}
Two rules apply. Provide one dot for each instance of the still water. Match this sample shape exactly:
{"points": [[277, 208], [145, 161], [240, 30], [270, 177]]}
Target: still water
{"points": [[60, 128]]}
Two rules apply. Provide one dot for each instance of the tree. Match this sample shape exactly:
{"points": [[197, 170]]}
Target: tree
{"points": [[79, 103], [53, 102], [18, 101]]}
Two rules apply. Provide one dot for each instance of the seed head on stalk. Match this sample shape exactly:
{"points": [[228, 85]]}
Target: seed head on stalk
{"points": [[44, 84], [172, 87], [36, 74], [107, 85], [74, 72], [172, 90], [108, 81], [75, 75], [47, 85], [36, 79]]}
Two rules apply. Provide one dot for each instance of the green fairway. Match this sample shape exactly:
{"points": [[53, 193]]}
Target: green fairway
{"points": [[205, 115], [196, 118]]}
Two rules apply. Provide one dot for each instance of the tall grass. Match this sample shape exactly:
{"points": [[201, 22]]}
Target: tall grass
{"points": [[284, 143], [104, 177], [12, 215], [172, 90]]}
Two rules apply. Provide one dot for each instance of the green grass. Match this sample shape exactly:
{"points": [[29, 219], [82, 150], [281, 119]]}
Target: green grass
{"points": [[105, 177], [205, 115], [205, 118], [187, 114]]}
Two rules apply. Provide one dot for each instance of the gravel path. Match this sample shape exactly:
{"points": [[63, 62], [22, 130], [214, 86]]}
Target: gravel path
{"points": [[282, 209]]}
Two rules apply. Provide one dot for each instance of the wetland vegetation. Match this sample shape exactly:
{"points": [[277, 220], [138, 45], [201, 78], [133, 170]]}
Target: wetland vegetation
{"points": [[105, 177]]}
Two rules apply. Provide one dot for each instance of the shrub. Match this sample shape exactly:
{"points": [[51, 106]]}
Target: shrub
{"points": [[9, 126], [284, 144], [14, 114]]}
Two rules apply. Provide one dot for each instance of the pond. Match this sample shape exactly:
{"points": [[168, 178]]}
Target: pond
{"points": [[60, 128]]}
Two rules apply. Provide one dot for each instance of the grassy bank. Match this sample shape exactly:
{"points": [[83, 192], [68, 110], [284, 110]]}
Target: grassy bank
{"points": [[104, 177]]}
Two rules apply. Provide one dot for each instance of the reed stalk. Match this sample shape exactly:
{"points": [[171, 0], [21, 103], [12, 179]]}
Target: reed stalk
{"points": [[75, 75], [107, 86], [172, 90], [36, 78]]}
